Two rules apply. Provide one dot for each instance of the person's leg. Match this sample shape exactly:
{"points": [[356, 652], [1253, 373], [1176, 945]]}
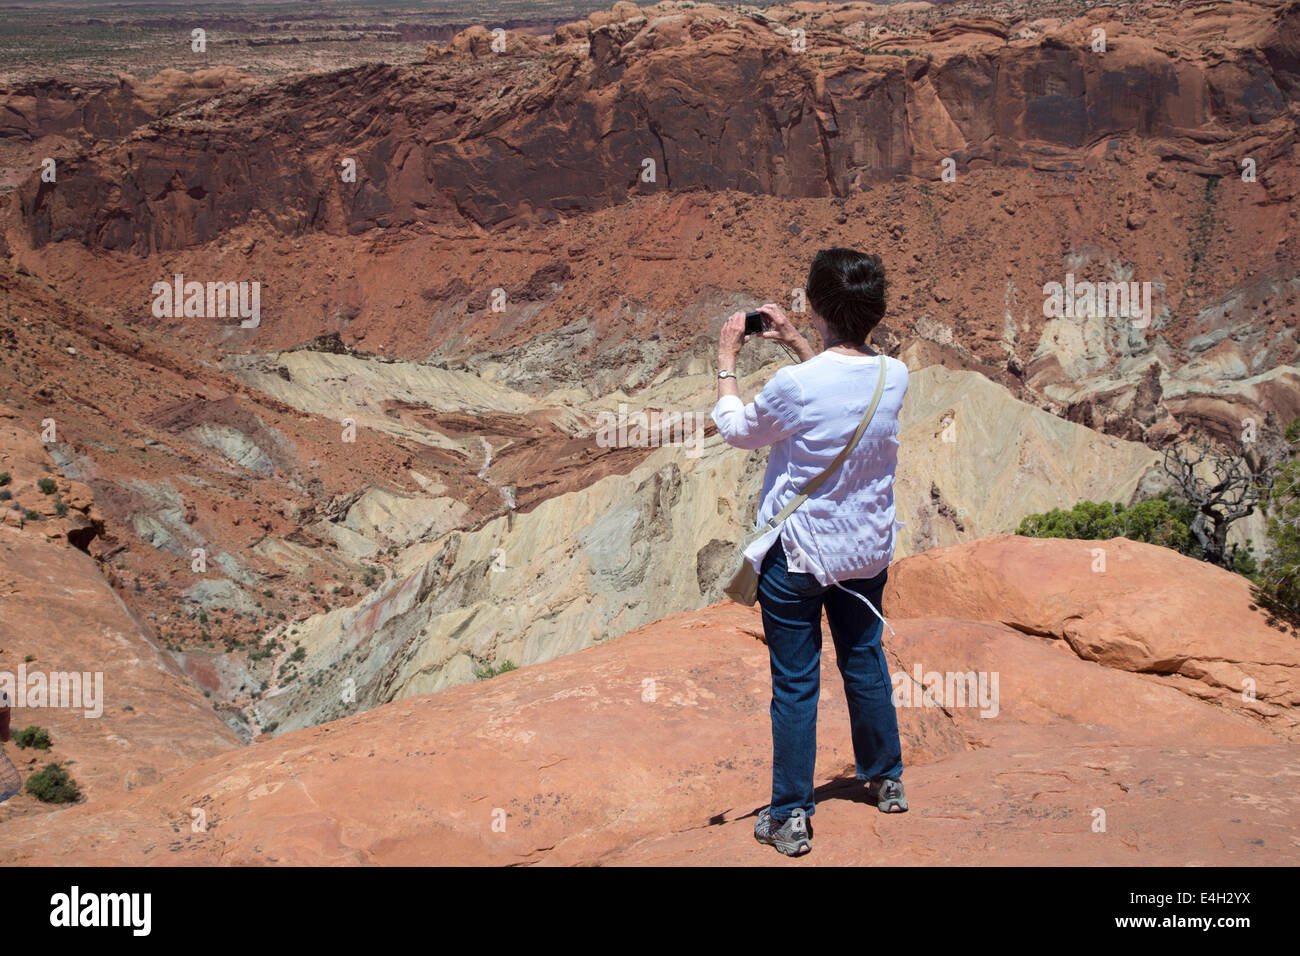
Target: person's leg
{"points": [[792, 611], [868, 688]]}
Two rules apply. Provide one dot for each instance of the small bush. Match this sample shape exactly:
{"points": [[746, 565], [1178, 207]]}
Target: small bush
{"points": [[1162, 520], [4, 478], [487, 671], [53, 785], [30, 515], [47, 486], [35, 737]]}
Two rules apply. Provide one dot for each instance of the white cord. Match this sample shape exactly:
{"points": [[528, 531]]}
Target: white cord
{"points": [[822, 558]]}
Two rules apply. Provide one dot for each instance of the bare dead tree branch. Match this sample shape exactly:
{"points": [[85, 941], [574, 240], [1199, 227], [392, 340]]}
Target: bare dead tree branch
{"points": [[1233, 493]]}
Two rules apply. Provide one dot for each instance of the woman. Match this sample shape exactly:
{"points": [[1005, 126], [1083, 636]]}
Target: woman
{"points": [[834, 550]]}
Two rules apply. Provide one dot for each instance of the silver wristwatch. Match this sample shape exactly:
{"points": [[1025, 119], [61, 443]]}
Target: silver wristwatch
{"points": [[726, 374]]}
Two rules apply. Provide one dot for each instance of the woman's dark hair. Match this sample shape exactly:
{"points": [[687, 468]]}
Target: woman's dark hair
{"points": [[847, 288]]}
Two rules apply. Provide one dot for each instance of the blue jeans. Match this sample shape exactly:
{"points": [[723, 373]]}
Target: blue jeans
{"points": [[792, 610]]}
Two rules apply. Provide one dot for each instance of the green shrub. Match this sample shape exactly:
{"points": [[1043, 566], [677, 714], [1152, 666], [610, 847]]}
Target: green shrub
{"points": [[47, 486], [35, 737], [53, 785], [487, 671], [1162, 520], [4, 478]]}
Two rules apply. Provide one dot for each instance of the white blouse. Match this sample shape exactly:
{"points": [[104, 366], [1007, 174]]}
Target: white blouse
{"points": [[807, 413]]}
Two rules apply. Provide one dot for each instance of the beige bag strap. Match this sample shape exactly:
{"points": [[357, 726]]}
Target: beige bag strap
{"points": [[817, 482]]}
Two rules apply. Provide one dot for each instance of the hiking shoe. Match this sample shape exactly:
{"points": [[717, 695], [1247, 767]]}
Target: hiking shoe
{"points": [[792, 836], [888, 795]]}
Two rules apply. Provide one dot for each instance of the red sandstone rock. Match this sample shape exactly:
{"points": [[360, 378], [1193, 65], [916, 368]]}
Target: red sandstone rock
{"points": [[56, 609], [574, 141], [1151, 611], [655, 747]]}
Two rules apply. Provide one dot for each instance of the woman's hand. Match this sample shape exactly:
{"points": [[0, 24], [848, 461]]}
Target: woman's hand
{"points": [[782, 329], [732, 338], [729, 342]]}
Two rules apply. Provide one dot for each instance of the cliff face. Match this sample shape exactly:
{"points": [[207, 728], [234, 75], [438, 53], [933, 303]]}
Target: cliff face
{"points": [[529, 171], [716, 99], [105, 112], [54, 119]]}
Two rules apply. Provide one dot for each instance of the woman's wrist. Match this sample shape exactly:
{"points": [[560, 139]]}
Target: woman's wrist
{"points": [[802, 348], [726, 361]]}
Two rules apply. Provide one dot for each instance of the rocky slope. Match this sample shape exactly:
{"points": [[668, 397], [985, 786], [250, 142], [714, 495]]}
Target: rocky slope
{"points": [[654, 748], [59, 120], [522, 172], [157, 455], [598, 561], [139, 718], [469, 524]]}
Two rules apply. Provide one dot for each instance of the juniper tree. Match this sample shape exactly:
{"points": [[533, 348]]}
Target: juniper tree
{"points": [[1231, 494]]}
